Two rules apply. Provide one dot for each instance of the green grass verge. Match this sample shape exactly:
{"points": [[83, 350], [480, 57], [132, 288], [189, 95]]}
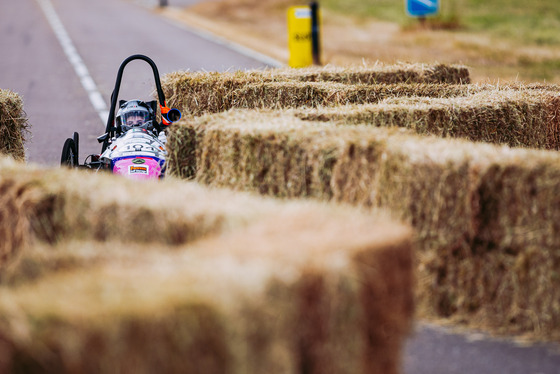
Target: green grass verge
{"points": [[538, 23]]}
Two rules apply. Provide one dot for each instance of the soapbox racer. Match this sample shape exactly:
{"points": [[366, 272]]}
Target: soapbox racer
{"points": [[134, 142]]}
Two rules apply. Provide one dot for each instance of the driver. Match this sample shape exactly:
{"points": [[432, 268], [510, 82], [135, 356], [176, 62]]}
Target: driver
{"points": [[135, 120], [135, 114]]}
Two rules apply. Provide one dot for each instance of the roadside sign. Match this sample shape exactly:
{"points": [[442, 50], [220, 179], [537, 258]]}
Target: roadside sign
{"points": [[421, 8], [299, 36]]}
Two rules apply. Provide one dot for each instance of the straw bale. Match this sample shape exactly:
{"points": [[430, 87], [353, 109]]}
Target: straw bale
{"points": [[13, 125], [277, 158], [518, 118], [200, 93], [518, 233], [485, 220], [182, 147], [269, 154], [279, 155], [484, 215], [284, 164], [376, 74], [49, 204], [298, 287]]}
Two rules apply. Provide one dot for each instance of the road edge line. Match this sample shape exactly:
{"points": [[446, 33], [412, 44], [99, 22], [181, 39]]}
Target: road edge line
{"points": [[80, 68]]}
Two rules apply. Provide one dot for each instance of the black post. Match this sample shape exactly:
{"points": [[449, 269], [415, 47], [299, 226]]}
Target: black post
{"points": [[315, 33], [162, 3]]}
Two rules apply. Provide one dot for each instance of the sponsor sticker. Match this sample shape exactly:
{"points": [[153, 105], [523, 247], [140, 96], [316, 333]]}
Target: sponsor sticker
{"points": [[138, 161], [303, 12], [136, 169]]}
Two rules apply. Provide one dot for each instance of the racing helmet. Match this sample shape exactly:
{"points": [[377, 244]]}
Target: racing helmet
{"points": [[135, 114]]}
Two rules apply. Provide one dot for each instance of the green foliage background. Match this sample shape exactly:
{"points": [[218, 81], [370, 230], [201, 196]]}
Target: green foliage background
{"points": [[535, 22]]}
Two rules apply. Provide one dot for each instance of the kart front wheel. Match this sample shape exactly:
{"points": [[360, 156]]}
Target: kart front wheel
{"points": [[69, 156]]}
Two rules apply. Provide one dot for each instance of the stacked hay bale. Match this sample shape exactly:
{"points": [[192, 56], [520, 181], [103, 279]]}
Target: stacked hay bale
{"points": [[54, 204], [253, 286], [484, 215], [521, 117], [13, 125], [199, 93], [513, 114], [200, 97], [378, 74]]}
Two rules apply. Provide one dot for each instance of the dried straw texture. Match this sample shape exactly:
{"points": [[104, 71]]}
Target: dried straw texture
{"points": [[50, 204], [197, 93], [200, 93], [519, 230], [523, 117], [376, 74], [13, 125], [297, 288], [485, 216]]}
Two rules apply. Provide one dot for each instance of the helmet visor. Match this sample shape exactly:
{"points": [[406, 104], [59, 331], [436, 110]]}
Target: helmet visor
{"points": [[135, 118]]}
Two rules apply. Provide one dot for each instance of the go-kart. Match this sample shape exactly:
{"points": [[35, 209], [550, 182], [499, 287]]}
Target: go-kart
{"points": [[134, 143]]}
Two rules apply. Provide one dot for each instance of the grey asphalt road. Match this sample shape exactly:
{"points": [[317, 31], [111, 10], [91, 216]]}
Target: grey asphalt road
{"points": [[105, 32], [173, 3], [436, 350]]}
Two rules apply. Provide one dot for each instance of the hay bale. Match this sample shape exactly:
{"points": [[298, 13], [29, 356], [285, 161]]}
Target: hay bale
{"points": [[294, 287], [14, 128], [518, 234], [200, 93], [376, 74], [518, 118], [47, 205], [485, 222], [279, 155], [484, 215], [231, 153]]}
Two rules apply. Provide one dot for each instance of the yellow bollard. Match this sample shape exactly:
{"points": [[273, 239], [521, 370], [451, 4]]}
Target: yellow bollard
{"points": [[299, 36]]}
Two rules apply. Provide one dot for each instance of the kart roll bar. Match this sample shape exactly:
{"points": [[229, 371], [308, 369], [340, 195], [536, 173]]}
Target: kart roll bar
{"points": [[110, 128]]}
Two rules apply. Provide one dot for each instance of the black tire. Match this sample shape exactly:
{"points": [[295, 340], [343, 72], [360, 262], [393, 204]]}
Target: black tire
{"points": [[69, 156], [76, 138]]}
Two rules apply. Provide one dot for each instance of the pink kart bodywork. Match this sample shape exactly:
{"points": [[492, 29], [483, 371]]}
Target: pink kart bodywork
{"points": [[137, 154], [138, 168]]}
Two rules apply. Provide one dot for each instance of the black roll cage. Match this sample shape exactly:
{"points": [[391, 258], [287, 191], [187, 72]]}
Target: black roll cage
{"points": [[110, 128]]}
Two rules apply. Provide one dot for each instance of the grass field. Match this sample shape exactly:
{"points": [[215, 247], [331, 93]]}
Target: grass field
{"points": [[499, 40], [536, 24]]}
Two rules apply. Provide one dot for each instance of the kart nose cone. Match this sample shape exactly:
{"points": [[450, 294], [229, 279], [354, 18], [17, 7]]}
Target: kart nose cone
{"points": [[137, 168]]}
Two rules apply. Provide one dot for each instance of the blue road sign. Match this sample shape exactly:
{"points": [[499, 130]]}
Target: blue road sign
{"points": [[421, 8]]}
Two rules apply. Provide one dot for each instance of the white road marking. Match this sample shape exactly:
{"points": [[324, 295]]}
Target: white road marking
{"points": [[77, 63]]}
